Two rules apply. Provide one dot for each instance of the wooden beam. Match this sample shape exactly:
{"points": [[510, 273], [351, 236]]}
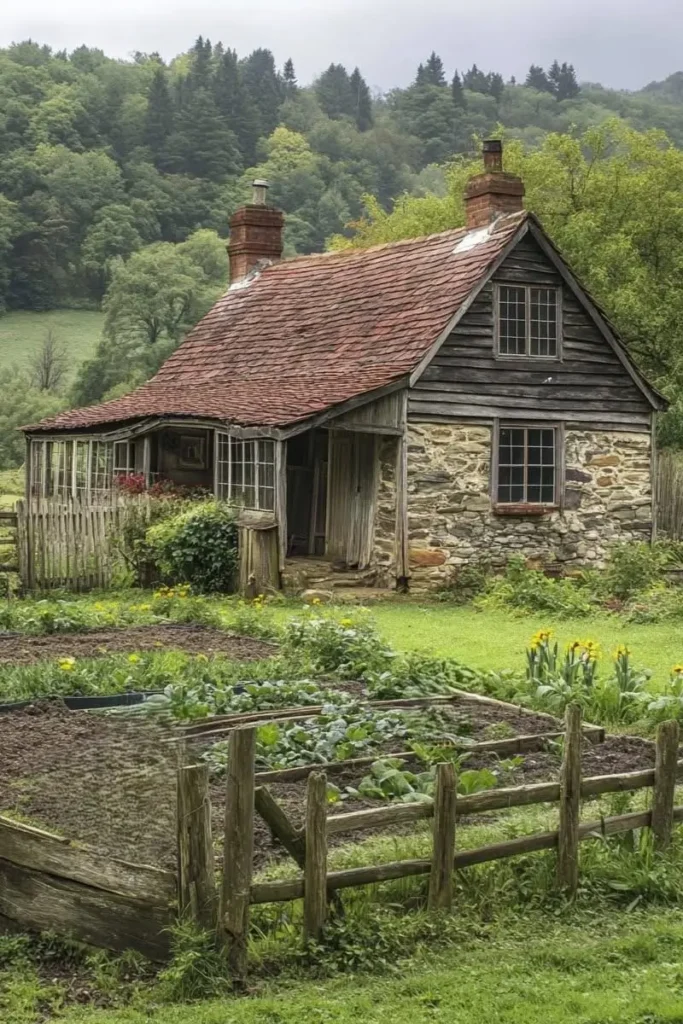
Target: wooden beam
{"points": [[238, 850], [197, 894], [570, 803], [663, 796], [441, 875], [315, 868]]}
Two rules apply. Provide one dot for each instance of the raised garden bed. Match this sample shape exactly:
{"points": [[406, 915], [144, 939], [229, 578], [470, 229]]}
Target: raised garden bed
{"points": [[109, 781], [20, 649]]}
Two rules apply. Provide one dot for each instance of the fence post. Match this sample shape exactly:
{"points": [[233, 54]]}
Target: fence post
{"points": [[238, 849], [443, 851], [196, 875], [315, 869], [663, 794], [570, 798]]}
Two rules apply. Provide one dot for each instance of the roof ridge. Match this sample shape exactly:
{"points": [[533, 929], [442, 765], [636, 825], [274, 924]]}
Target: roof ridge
{"points": [[394, 244]]}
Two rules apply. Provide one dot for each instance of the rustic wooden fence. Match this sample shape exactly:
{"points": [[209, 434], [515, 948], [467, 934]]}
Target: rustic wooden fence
{"points": [[669, 494], [70, 545], [9, 544], [47, 882]]}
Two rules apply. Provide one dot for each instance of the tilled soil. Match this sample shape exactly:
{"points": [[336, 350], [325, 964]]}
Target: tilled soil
{"points": [[19, 649], [109, 780]]}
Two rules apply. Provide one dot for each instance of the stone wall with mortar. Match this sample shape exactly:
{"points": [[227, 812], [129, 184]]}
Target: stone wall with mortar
{"points": [[384, 539], [451, 522]]}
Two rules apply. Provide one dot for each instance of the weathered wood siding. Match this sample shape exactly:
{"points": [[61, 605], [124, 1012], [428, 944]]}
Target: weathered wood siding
{"points": [[588, 386], [351, 497], [386, 414]]}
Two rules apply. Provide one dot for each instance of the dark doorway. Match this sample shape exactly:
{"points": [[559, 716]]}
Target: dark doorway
{"points": [[307, 493]]}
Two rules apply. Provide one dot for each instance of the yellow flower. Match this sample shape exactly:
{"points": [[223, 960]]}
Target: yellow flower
{"points": [[67, 664], [622, 651], [677, 670], [201, 657], [346, 623], [133, 658], [316, 600]]}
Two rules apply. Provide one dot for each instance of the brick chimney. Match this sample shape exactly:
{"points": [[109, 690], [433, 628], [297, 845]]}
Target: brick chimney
{"points": [[255, 233], [493, 193]]}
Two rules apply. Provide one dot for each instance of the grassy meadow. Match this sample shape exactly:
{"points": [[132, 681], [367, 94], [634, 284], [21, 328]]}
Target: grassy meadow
{"points": [[22, 332]]}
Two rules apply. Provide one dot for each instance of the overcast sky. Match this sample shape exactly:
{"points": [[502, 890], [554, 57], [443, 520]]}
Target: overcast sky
{"points": [[622, 43]]}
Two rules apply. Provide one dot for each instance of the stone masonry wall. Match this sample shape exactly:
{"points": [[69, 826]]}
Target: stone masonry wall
{"points": [[451, 521], [384, 542]]}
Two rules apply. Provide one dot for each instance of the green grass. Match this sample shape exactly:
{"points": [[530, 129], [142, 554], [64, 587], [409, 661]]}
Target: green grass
{"points": [[22, 332], [611, 968], [11, 487], [497, 640]]}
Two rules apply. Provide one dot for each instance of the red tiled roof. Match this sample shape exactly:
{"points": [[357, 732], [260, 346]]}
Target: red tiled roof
{"points": [[310, 333]]}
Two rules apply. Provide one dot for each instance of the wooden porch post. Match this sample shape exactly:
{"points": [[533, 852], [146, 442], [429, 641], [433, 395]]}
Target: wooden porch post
{"points": [[281, 499]]}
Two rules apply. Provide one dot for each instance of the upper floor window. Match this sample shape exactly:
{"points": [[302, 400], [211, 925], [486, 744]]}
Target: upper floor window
{"points": [[528, 320]]}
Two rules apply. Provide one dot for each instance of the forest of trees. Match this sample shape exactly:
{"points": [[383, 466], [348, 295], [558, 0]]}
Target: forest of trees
{"points": [[118, 178]]}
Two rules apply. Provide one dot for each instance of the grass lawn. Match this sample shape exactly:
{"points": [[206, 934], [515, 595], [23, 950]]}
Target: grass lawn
{"points": [[497, 640], [611, 967], [22, 332]]}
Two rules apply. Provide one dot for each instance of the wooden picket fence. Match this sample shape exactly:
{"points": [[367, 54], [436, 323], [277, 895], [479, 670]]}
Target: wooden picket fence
{"points": [[669, 494], [68, 544]]}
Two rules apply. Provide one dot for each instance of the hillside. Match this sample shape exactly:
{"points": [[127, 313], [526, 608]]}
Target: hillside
{"points": [[118, 180]]}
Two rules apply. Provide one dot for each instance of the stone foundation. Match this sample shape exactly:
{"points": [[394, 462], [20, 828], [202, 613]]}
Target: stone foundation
{"points": [[451, 522]]}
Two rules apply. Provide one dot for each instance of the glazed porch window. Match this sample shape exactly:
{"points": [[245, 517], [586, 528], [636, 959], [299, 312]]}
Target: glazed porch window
{"points": [[528, 321], [527, 466], [246, 472]]}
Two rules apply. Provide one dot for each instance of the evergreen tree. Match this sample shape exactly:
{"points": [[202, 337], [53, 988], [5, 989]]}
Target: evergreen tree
{"points": [[159, 116], [554, 77], [457, 91], [476, 81], [434, 73], [537, 79], [421, 75], [567, 86], [333, 90], [291, 86], [265, 89], [362, 102], [234, 105], [201, 68], [202, 144], [496, 85]]}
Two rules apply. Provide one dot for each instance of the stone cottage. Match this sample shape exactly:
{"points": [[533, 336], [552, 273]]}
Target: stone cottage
{"points": [[393, 413]]}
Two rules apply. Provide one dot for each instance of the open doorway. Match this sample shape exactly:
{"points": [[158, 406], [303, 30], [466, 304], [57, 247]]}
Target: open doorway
{"points": [[307, 460]]}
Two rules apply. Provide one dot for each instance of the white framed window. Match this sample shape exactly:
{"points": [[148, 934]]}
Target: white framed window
{"points": [[528, 320], [124, 458], [245, 471], [73, 467]]}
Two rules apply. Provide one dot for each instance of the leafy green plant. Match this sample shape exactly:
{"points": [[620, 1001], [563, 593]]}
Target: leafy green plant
{"points": [[350, 647], [197, 968], [632, 569], [529, 590], [198, 546]]}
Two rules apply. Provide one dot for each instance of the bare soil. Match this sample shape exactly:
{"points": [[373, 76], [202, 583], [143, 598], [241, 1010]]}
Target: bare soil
{"points": [[19, 649], [109, 780]]}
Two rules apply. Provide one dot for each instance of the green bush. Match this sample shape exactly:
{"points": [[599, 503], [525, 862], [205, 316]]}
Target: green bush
{"points": [[531, 591], [198, 546], [349, 647], [632, 569]]}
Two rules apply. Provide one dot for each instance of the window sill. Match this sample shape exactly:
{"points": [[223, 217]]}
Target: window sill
{"points": [[523, 509]]}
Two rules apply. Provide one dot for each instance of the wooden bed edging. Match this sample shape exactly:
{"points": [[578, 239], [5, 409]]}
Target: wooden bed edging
{"points": [[293, 889], [48, 883]]}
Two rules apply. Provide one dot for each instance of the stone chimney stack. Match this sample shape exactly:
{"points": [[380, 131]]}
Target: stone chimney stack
{"points": [[255, 233], [493, 193]]}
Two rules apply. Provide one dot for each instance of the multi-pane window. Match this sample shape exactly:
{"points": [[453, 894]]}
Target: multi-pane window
{"points": [[528, 323], [71, 468], [246, 472], [124, 458], [527, 463]]}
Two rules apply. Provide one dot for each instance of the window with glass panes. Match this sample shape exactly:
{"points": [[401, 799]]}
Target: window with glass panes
{"points": [[527, 466], [246, 471], [528, 321]]}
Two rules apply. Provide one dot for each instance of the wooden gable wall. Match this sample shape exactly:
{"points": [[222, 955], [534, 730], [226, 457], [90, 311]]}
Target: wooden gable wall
{"points": [[589, 385]]}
